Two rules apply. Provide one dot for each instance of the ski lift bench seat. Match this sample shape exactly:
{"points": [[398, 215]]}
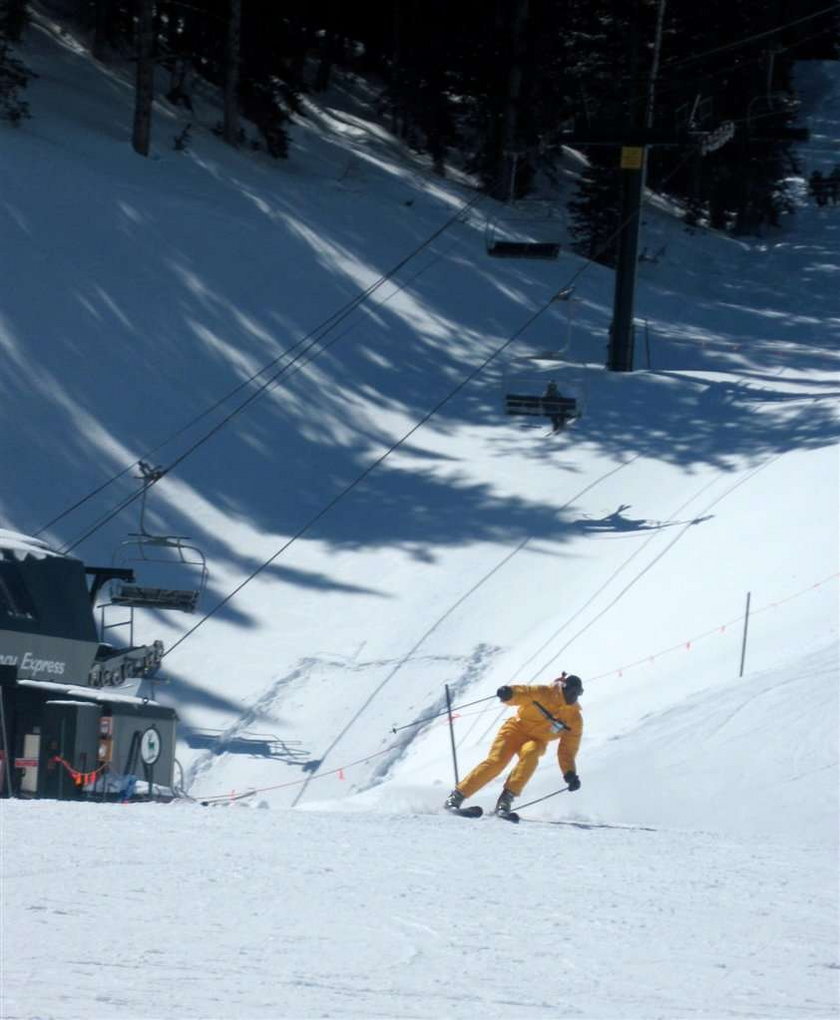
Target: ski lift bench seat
{"points": [[523, 249], [525, 230], [139, 597], [562, 408], [520, 403]]}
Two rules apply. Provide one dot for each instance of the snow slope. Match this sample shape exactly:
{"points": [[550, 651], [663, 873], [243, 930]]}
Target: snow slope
{"points": [[302, 914], [141, 298]]}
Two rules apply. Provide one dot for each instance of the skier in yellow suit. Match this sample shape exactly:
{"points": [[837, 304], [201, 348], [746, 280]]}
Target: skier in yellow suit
{"points": [[546, 712]]}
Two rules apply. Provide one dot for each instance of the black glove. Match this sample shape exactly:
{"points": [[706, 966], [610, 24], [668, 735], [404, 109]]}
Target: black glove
{"points": [[572, 781], [504, 693]]}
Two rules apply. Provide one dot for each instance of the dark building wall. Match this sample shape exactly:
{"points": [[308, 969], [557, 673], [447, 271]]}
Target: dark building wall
{"points": [[47, 630]]}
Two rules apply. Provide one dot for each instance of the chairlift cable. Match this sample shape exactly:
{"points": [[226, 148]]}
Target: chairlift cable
{"points": [[293, 364], [323, 328], [174, 435], [473, 374], [666, 90], [395, 445], [588, 263], [124, 504], [184, 429], [668, 86], [311, 339], [751, 38], [127, 501], [327, 326]]}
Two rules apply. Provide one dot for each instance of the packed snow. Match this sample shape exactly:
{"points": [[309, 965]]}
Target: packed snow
{"points": [[376, 531]]}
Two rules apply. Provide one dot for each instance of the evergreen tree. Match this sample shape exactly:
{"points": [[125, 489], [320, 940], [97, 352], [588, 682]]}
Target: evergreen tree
{"points": [[614, 88], [268, 88], [494, 84], [420, 79], [595, 210]]}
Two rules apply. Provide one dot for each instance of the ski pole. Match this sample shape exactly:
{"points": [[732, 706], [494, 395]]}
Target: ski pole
{"points": [[519, 807], [452, 734], [437, 715]]}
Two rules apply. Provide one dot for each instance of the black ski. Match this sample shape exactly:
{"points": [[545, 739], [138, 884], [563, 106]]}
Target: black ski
{"points": [[508, 816], [467, 812]]}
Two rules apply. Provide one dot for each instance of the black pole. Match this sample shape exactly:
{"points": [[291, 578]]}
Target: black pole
{"points": [[7, 763], [452, 733], [744, 639], [620, 353], [546, 797], [437, 715], [633, 167]]}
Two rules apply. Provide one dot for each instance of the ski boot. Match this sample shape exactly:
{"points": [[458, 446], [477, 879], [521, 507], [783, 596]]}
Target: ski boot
{"points": [[454, 801], [504, 803]]}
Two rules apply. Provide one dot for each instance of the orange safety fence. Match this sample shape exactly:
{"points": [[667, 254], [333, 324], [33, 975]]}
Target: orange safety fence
{"points": [[714, 631], [79, 778], [233, 795]]}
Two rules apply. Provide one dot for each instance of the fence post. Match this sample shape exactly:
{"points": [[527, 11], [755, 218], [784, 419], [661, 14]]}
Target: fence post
{"points": [[744, 639], [451, 732]]}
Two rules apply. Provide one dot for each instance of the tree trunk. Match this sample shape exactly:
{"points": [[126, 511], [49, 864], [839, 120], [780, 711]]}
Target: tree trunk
{"points": [[329, 46], [231, 122], [15, 20], [506, 185], [101, 29], [144, 93]]}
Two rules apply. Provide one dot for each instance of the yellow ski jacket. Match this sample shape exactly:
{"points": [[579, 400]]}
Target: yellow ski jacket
{"points": [[550, 696]]}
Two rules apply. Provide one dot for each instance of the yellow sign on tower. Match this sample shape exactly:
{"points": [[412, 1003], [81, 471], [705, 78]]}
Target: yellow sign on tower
{"points": [[631, 157]]}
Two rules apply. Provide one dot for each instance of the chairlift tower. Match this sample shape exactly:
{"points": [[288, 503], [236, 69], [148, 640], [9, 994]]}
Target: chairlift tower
{"points": [[633, 141], [633, 171]]}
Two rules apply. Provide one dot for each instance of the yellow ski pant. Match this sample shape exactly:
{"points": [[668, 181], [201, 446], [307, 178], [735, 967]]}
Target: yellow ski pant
{"points": [[513, 738]]}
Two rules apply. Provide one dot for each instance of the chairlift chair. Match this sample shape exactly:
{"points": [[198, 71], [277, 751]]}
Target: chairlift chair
{"points": [[557, 408], [174, 552], [541, 394], [553, 393], [523, 249], [522, 233]]}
